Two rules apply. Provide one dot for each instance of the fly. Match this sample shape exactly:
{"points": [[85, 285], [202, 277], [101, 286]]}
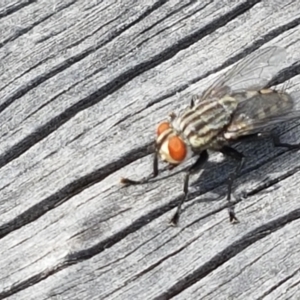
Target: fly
{"points": [[235, 107]]}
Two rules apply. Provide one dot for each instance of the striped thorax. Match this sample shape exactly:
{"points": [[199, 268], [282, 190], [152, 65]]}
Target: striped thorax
{"points": [[195, 129]]}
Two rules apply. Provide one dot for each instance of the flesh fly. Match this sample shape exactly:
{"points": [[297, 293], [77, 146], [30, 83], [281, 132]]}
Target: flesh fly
{"points": [[237, 106]]}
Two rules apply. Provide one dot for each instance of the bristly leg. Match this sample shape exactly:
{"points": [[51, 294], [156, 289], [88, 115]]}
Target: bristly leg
{"points": [[202, 159], [240, 158], [128, 181]]}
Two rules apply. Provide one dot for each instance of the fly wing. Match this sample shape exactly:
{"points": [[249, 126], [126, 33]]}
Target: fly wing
{"points": [[252, 73], [261, 111]]}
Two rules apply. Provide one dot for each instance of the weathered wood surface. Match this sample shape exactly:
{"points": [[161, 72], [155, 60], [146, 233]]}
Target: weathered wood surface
{"points": [[83, 85]]}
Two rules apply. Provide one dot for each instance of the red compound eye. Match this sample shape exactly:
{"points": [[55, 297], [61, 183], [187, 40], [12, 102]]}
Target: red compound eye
{"points": [[177, 148], [162, 127]]}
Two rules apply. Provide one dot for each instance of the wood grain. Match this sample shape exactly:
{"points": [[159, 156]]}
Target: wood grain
{"points": [[83, 86]]}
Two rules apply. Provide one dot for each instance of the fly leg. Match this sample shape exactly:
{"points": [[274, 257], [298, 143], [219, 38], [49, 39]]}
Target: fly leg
{"points": [[202, 159], [128, 181], [240, 158], [277, 143], [275, 140]]}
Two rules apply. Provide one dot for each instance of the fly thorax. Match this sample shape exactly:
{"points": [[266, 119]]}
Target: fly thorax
{"points": [[201, 124]]}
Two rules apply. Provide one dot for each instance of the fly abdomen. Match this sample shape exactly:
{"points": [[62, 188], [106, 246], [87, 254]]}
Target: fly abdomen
{"points": [[257, 110]]}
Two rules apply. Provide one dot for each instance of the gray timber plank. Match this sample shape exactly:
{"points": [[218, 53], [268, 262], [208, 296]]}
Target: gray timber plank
{"points": [[83, 85]]}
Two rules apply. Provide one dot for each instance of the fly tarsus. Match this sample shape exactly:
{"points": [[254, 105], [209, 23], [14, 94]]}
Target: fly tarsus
{"points": [[202, 159], [127, 181], [277, 143]]}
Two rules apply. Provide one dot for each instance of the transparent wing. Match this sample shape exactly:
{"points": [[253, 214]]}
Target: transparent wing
{"points": [[261, 125], [252, 73], [263, 111]]}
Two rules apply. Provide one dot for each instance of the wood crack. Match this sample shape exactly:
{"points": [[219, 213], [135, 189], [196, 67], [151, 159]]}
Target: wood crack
{"points": [[229, 252], [14, 8], [22, 31], [107, 89], [89, 95], [70, 190], [281, 282]]}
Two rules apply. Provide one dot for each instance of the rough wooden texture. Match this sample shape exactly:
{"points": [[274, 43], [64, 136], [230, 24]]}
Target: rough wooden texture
{"points": [[83, 85]]}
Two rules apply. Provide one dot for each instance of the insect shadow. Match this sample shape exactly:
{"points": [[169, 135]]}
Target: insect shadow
{"points": [[215, 174]]}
